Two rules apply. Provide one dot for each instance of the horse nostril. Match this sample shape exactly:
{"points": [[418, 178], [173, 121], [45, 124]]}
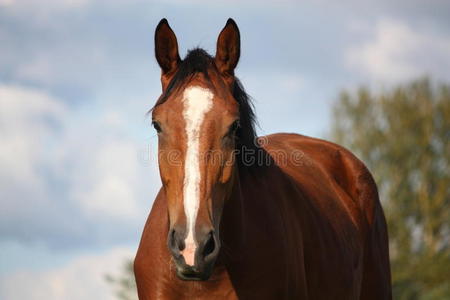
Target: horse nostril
{"points": [[172, 239], [174, 243], [210, 245]]}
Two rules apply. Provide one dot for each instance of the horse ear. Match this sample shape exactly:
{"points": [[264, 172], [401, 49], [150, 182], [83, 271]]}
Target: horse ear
{"points": [[166, 47], [228, 48]]}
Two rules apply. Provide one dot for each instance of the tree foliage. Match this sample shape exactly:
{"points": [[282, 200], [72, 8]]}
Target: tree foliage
{"points": [[124, 284], [403, 136]]}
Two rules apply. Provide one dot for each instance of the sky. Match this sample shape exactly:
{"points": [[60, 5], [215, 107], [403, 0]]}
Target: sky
{"points": [[78, 168]]}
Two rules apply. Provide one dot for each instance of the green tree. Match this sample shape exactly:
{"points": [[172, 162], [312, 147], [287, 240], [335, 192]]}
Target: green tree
{"points": [[124, 285], [403, 136]]}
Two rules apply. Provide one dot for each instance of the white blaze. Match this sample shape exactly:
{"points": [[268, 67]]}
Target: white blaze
{"points": [[197, 102]]}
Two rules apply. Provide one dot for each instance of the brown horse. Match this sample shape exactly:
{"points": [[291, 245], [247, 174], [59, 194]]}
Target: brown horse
{"points": [[299, 217]]}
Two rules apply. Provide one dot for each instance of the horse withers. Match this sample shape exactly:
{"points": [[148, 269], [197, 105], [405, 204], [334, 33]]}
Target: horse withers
{"points": [[239, 217]]}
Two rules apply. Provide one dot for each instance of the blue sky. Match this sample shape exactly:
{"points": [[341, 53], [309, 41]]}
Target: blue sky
{"points": [[77, 154]]}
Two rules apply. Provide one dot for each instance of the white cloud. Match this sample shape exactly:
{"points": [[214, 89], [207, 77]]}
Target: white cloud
{"points": [[399, 52], [77, 46], [6, 2], [78, 169], [51, 3], [104, 183], [28, 121], [81, 279], [27, 117]]}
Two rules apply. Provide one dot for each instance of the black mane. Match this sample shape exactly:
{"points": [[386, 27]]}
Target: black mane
{"points": [[199, 61]]}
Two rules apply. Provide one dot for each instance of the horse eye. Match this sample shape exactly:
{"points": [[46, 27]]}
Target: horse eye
{"points": [[157, 126]]}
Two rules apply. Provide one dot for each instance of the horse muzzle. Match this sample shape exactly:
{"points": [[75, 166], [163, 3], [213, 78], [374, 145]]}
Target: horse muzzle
{"points": [[194, 262]]}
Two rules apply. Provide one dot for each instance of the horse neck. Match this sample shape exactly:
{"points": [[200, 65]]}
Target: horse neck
{"points": [[233, 226], [232, 221]]}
